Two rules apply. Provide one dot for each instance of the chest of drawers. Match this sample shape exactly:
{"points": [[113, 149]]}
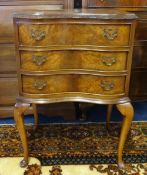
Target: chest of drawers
{"points": [[74, 56]]}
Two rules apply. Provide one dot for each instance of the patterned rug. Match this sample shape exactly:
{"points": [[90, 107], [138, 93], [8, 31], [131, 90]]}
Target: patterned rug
{"points": [[65, 144], [10, 166]]}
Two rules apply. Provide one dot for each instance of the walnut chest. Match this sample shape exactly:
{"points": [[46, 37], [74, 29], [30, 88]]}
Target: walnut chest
{"points": [[81, 55], [72, 56]]}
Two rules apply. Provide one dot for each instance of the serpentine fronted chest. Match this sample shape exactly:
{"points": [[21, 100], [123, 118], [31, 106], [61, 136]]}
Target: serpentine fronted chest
{"points": [[74, 56]]}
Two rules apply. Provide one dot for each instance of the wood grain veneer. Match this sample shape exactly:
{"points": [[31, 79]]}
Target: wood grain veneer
{"points": [[58, 34]]}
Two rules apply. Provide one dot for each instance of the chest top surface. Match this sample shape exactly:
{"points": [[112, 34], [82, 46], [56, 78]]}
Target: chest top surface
{"points": [[77, 13]]}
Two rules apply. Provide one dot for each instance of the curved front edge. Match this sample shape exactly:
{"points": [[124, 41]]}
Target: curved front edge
{"points": [[66, 98]]}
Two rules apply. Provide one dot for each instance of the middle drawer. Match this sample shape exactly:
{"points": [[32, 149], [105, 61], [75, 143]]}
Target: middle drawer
{"points": [[68, 59]]}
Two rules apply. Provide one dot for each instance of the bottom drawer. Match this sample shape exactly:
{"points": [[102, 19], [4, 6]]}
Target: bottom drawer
{"points": [[92, 84]]}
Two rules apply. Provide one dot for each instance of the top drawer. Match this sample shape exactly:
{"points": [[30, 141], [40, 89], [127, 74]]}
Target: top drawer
{"points": [[116, 3], [74, 34]]}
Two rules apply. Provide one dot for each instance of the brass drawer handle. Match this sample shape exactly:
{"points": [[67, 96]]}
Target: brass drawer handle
{"points": [[39, 59], [107, 85], [108, 61], [40, 84], [110, 33], [38, 34]]}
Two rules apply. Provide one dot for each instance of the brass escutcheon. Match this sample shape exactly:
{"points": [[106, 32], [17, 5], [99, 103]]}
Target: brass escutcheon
{"points": [[108, 61], [39, 59], [38, 34], [107, 85], [110, 33], [40, 84]]}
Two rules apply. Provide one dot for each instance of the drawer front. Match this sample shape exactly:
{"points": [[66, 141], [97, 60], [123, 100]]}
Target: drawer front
{"points": [[74, 34], [117, 3], [55, 60], [73, 83], [6, 18]]}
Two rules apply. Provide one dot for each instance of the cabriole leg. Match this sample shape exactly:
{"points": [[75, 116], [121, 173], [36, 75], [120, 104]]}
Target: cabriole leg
{"points": [[19, 110], [127, 111]]}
